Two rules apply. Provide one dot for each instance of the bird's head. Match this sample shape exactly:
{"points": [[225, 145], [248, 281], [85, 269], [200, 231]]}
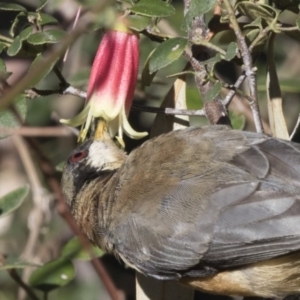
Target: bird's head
{"points": [[92, 159]]}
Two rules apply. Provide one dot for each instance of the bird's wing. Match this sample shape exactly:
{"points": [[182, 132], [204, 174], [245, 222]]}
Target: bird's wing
{"points": [[237, 206], [266, 224]]}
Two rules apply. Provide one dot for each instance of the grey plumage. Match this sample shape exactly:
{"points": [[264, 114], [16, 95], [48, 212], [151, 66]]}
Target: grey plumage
{"points": [[192, 203]]}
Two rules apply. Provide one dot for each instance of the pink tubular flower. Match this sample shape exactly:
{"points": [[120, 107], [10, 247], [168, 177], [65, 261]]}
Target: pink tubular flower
{"points": [[112, 83]]}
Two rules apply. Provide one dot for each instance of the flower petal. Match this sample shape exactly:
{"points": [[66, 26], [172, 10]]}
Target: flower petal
{"points": [[129, 131], [78, 119], [114, 74]]}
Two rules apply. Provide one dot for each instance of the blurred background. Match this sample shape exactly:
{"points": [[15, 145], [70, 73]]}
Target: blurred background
{"points": [[44, 112]]}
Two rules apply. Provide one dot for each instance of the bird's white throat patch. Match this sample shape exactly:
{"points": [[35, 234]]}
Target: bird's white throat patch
{"points": [[104, 155]]}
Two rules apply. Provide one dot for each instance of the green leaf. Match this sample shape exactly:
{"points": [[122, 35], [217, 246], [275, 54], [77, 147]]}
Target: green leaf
{"points": [[15, 23], [25, 33], [46, 19], [213, 92], [197, 8], [2, 47], [41, 75], [8, 119], [3, 76], [147, 77], [60, 166], [256, 23], [50, 36], [211, 61], [19, 265], [15, 263], [2, 67], [253, 11], [153, 8], [80, 78], [13, 200], [166, 53], [11, 7], [232, 50], [238, 121], [52, 275], [298, 23], [138, 23], [15, 47], [74, 250], [41, 5]]}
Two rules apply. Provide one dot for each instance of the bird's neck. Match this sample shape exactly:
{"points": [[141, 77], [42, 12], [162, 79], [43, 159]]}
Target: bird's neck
{"points": [[93, 205]]}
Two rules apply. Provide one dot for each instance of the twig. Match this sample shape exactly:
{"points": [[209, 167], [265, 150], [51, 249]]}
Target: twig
{"points": [[247, 60], [37, 131], [169, 111], [37, 214], [64, 90], [73, 27], [292, 28], [75, 92], [61, 78], [231, 94], [62, 208], [295, 128], [56, 52], [15, 276]]}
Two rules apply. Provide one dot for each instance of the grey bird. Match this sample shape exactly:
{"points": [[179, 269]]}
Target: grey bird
{"points": [[215, 208]]}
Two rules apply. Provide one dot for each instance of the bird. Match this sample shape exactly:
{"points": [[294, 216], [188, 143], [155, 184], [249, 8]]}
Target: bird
{"points": [[213, 208]]}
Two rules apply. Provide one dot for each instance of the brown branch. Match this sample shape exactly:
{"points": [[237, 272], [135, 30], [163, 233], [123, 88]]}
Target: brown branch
{"points": [[247, 60], [60, 131], [62, 208], [15, 276], [49, 172], [37, 214]]}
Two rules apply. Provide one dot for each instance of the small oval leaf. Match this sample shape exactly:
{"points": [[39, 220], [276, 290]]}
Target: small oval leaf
{"points": [[2, 67], [8, 119], [254, 10], [238, 121], [213, 92], [212, 61], [138, 23], [13, 200], [298, 23], [196, 8], [2, 46], [41, 75], [15, 263], [50, 36], [153, 8], [146, 76], [46, 19], [41, 5], [11, 7], [74, 250], [25, 33], [231, 52], [52, 275], [15, 47], [166, 53]]}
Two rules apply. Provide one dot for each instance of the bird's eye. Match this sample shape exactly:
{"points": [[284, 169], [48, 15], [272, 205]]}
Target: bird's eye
{"points": [[76, 157]]}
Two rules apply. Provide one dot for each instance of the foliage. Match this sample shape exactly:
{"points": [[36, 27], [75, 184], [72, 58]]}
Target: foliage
{"points": [[213, 56]]}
